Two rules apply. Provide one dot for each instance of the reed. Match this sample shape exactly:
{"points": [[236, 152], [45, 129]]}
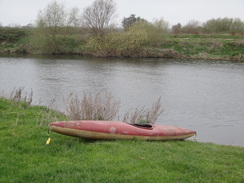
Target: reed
{"points": [[18, 95], [97, 106], [142, 115], [105, 107], [92, 107]]}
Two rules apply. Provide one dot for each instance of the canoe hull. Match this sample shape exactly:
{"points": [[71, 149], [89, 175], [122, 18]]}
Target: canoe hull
{"points": [[110, 130]]}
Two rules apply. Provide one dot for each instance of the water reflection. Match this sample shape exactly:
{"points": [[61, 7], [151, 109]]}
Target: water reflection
{"points": [[205, 96]]}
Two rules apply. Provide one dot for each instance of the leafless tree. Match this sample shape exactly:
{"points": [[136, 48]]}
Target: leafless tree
{"points": [[192, 27], [73, 19], [53, 26], [53, 16], [99, 16], [161, 24]]}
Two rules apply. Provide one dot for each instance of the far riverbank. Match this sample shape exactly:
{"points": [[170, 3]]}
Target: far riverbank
{"points": [[180, 46]]}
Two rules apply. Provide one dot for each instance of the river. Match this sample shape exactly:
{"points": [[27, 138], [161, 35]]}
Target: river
{"points": [[206, 96]]}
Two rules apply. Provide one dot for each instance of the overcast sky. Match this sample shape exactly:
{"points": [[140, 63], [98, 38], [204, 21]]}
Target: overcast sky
{"points": [[23, 12]]}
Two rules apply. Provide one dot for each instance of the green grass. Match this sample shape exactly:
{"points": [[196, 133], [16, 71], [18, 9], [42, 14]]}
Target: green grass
{"points": [[24, 156], [207, 46]]}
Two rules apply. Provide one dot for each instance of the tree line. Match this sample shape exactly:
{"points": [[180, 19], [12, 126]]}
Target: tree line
{"points": [[219, 25], [100, 16]]}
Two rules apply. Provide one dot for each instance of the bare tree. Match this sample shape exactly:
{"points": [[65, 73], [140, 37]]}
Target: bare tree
{"points": [[73, 19], [53, 17], [53, 25], [192, 27], [222, 25], [161, 24], [99, 16]]}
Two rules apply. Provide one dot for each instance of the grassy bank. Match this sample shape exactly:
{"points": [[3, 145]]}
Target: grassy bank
{"points": [[225, 46], [197, 46], [14, 40], [26, 158]]}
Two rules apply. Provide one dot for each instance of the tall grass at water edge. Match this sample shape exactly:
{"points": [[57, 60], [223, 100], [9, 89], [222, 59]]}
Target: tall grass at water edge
{"points": [[105, 107]]}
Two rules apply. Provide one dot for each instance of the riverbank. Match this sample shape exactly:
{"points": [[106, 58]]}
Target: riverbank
{"points": [[214, 47], [180, 46], [26, 158]]}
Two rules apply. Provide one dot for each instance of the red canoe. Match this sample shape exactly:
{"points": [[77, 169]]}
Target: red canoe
{"points": [[111, 130]]}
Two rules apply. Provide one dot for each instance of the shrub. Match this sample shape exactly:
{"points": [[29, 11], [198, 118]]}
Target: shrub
{"points": [[115, 44], [151, 34], [131, 43], [12, 34], [58, 45], [92, 107], [142, 115], [223, 25], [105, 107]]}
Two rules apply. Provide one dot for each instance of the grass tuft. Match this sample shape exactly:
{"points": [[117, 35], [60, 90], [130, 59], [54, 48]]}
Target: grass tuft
{"points": [[18, 95]]}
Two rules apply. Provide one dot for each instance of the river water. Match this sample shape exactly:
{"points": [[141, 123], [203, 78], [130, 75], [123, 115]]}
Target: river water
{"points": [[206, 96]]}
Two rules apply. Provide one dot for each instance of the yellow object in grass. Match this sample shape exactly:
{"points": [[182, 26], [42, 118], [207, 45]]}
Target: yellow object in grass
{"points": [[48, 141]]}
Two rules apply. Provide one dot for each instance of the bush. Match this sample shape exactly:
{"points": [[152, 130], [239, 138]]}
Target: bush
{"points": [[223, 25], [50, 45], [143, 115], [114, 45], [152, 35], [127, 44], [105, 107], [52, 32], [12, 34], [92, 107]]}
